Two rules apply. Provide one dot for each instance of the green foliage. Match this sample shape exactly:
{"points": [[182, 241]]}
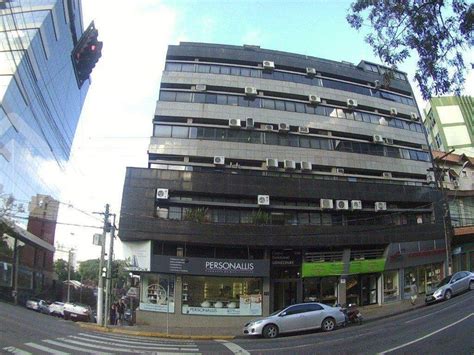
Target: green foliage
{"points": [[89, 271], [260, 217], [60, 267], [437, 31], [198, 215]]}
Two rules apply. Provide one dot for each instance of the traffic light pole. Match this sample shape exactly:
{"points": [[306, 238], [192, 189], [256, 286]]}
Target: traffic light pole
{"points": [[100, 286], [108, 285]]}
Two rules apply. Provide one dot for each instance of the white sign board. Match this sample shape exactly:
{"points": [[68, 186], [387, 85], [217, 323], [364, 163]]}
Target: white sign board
{"points": [[138, 254]]}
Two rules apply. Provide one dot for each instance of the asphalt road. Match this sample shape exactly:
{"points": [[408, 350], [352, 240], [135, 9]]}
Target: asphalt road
{"points": [[443, 328]]}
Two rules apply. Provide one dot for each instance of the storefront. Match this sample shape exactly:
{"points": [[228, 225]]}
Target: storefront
{"points": [[218, 289]]}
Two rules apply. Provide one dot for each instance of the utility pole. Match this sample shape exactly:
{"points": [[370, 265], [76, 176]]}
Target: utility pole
{"points": [[108, 286], [100, 286], [68, 275]]}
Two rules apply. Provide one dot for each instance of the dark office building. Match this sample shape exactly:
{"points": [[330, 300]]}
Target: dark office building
{"points": [[276, 178]]}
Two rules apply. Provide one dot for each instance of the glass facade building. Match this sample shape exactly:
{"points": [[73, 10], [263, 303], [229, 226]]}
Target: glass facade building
{"points": [[275, 178], [40, 105]]}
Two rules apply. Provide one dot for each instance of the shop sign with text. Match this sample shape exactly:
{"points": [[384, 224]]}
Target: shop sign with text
{"points": [[207, 266]]}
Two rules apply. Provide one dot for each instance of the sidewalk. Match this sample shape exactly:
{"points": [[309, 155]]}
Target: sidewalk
{"points": [[370, 313]]}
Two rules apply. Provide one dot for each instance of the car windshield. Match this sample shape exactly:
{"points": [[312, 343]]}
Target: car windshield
{"points": [[445, 281]]}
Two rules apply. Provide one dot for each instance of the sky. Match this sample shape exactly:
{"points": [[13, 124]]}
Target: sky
{"points": [[116, 121]]}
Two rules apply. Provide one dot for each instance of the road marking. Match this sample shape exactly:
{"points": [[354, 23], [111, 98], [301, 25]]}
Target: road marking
{"points": [[427, 335], [13, 350], [136, 345], [439, 310], [45, 349], [131, 342], [67, 346], [236, 349]]}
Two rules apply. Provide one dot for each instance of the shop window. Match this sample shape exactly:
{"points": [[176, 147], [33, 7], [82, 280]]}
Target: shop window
{"points": [[25, 279], [157, 293], [5, 274], [391, 290], [221, 296]]}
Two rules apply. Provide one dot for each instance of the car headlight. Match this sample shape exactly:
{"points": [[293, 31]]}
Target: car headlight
{"points": [[437, 293]]}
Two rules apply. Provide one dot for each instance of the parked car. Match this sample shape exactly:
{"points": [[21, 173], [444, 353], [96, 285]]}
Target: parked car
{"points": [[77, 312], [56, 309], [298, 317], [36, 304], [450, 286]]}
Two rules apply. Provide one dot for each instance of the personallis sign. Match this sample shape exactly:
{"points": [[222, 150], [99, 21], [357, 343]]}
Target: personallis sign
{"points": [[208, 266]]}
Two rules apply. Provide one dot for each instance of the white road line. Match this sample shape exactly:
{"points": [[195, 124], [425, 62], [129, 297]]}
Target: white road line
{"points": [[439, 310], [146, 339], [67, 346], [45, 349], [145, 347], [118, 340], [427, 335], [13, 350], [236, 349]]}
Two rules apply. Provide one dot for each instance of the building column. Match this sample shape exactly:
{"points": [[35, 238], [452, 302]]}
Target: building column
{"points": [[341, 286]]}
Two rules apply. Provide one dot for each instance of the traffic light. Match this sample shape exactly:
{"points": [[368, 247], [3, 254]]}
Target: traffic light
{"points": [[86, 53]]}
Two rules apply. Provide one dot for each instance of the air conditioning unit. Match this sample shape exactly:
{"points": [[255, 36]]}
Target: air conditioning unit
{"points": [[456, 184], [351, 103], [200, 87], [377, 138], [267, 127], [271, 163], [249, 123], [234, 123], [268, 65], [380, 206], [314, 100], [284, 127], [263, 200], [342, 205], [413, 116], [326, 203], [219, 160], [289, 164], [162, 194], [311, 71], [424, 147], [388, 140], [338, 170], [356, 204], [250, 91], [430, 177], [306, 165], [387, 175], [377, 84], [393, 111], [303, 130]]}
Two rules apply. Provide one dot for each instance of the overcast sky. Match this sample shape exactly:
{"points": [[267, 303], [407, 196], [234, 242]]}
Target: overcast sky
{"points": [[116, 120]]}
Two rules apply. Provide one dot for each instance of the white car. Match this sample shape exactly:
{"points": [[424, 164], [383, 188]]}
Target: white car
{"points": [[298, 317], [56, 309], [35, 304], [77, 312]]}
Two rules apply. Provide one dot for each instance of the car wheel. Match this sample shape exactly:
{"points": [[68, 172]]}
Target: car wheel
{"points": [[328, 324], [270, 331], [471, 285], [447, 295]]}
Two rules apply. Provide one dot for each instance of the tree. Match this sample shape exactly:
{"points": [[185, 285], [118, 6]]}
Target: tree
{"points": [[61, 269], [89, 271], [438, 31]]}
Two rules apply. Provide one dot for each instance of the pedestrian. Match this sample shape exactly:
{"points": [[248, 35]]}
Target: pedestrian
{"points": [[121, 311], [113, 314], [414, 294]]}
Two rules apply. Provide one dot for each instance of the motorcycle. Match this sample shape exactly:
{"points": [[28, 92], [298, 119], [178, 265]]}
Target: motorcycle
{"points": [[352, 314]]}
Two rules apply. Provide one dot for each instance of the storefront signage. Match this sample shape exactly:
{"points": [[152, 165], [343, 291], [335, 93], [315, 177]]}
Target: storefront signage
{"points": [[206, 266], [163, 308], [366, 266], [323, 269], [286, 257], [139, 255]]}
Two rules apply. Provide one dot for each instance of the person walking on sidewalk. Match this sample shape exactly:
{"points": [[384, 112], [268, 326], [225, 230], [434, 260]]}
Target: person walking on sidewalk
{"points": [[113, 314], [121, 311], [413, 294]]}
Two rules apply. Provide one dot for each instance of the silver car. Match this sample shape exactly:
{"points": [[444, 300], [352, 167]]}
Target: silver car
{"points": [[451, 285], [298, 317]]}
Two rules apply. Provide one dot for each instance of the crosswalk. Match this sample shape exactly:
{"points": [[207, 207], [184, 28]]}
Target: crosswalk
{"points": [[86, 343]]}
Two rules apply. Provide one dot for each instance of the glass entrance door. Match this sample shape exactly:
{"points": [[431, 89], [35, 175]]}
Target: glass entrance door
{"points": [[284, 294], [368, 289]]}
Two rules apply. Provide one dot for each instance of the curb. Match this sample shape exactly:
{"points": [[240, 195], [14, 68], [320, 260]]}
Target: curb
{"points": [[98, 328], [368, 320]]}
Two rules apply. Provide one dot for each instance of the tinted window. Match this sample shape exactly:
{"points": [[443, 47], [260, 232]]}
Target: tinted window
{"points": [[200, 98], [183, 96], [167, 96], [314, 307], [163, 131], [296, 309], [225, 70], [180, 132]]}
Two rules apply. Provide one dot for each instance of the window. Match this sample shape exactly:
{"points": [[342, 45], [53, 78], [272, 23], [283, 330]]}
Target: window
{"points": [[221, 296], [162, 131], [157, 293], [188, 68], [296, 310], [183, 96], [173, 66], [167, 96], [179, 132]]}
